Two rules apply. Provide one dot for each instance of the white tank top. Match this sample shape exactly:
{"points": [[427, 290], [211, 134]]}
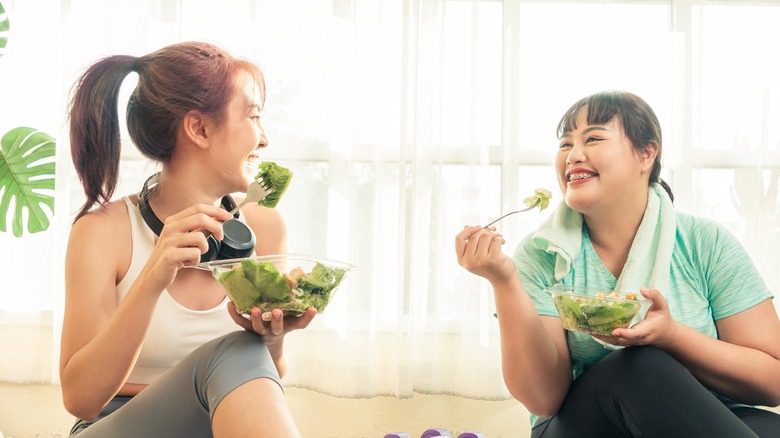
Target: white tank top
{"points": [[174, 330]]}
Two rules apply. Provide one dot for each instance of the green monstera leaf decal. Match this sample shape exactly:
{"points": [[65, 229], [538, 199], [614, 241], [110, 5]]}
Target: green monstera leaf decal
{"points": [[26, 169], [4, 26], [26, 173]]}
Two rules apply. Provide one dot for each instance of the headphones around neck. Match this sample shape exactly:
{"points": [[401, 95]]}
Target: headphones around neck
{"points": [[238, 242]]}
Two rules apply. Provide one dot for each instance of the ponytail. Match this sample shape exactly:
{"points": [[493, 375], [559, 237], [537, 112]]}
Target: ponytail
{"points": [[667, 188], [172, 81], [94, 128]]}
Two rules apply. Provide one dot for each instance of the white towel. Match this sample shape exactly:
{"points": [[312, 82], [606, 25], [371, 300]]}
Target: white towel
{"points": [[561, 234]]}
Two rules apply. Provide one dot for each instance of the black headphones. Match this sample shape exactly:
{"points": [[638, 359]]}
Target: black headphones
{"points": [[238, 242]]}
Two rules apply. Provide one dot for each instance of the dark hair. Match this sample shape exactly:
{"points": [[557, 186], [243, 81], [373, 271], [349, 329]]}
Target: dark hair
{"points": [[177, 79], [638, 119]]}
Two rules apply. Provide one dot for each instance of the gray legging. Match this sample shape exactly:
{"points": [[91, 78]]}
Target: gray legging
{"points": [[182, 401], [644, 392]]}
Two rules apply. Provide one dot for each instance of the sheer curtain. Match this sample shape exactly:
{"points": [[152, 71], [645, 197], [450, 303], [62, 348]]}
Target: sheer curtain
{"points": [[405, 120]]}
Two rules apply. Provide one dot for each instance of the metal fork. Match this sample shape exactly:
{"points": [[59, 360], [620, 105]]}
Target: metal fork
{"points": [[536, 202], [256, 192]]}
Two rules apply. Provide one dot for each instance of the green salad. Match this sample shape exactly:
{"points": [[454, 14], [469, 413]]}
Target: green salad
{"points": [[253, 283], [599, 314], [541, 197], [276, 178]]}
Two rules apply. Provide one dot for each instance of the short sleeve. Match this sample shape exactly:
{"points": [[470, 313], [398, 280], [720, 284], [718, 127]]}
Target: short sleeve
{"points": [[733, 282], [536, 270]]}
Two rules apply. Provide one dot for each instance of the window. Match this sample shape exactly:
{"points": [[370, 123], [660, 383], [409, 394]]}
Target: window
{"points": [[405, 120]]}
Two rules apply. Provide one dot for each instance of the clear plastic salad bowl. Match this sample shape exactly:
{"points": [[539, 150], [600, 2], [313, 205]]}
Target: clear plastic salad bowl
{"points": [[598, 313], [291, 282]]}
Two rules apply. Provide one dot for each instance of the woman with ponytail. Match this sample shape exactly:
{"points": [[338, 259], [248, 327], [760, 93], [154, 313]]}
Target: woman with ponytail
{"points": [[150, 349], [708, 351]]}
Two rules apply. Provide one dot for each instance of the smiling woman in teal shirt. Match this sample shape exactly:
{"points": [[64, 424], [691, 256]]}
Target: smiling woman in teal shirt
{"points": [[708, 349], [711, 277]]}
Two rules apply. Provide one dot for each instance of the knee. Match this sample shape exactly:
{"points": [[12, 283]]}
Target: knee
{"points": [[645, 365], [239, 353], [241, 344], [642, 356], [241, 341], [648, 358], [242, 337]]}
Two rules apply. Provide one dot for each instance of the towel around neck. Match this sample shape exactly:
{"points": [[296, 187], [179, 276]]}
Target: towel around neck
{"points": [[650, 255]]}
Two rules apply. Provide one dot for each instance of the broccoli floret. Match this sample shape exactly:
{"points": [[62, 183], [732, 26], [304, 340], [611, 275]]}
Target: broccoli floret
{"points": [[317, 286], [320, 280]]}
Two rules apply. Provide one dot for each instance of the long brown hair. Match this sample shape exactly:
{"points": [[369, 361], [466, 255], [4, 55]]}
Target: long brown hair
{"points": [[172, 81], [637, 118]]}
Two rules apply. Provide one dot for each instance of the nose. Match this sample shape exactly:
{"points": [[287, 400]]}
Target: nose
{"points": [[263, 143], [576, 154]]}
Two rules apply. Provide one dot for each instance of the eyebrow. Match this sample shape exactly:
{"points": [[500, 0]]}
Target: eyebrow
{"points": [[589, 129], [596, 128]]}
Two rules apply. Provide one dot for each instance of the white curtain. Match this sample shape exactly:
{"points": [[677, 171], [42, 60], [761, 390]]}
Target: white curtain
{"points": [[405, 120]]}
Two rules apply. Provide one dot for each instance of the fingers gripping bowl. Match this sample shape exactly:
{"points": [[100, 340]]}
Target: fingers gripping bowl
{"points": [[597, 313], [291, 282]]}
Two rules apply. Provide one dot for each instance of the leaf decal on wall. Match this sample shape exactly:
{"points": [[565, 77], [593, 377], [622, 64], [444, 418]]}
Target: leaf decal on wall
{"points": [[26, 169], [4, 26]]}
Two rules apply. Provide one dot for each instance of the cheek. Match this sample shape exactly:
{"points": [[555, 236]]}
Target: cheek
{"points": [[560, 161], [560, 170], [563, 184]]}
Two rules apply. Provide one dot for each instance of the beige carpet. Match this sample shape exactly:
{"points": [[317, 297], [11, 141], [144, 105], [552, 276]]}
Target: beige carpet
{"points": [[35, 411]]}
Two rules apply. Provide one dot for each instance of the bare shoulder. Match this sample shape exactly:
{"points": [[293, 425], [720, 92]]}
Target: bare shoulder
{"points": [[104, 219], [269, 227], [102, 236]]}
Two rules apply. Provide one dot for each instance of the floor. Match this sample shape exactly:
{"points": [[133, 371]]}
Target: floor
{"points": [[35, 411]]}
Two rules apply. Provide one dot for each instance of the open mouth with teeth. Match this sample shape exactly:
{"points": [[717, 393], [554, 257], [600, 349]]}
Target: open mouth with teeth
{"points": [[252, 161], [578, 176]]}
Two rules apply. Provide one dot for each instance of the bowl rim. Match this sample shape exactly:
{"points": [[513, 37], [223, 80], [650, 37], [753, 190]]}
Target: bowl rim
{"points": [[219, 267], [565, 289], [277, 257]]}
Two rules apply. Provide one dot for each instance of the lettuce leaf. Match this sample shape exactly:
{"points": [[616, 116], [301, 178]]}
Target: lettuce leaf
{"points": [[275, 177]]}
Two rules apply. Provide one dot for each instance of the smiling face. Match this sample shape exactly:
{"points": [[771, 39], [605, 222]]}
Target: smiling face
{"points": [[237, 142], [598, 166]]}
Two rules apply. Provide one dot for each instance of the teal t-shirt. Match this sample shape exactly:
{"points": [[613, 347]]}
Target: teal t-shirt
{"points": [[711, 277]]}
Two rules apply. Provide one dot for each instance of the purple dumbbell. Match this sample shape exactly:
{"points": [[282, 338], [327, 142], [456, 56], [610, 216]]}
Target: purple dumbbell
{"points": [[472, 435], [436, 432], [397, 435]]}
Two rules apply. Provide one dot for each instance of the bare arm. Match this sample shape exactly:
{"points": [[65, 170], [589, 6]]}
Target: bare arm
{"points": [[101, 339], [535, 357], [744, 364]]}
